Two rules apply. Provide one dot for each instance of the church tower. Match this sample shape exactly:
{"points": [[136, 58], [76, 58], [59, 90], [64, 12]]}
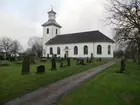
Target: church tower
{"points": [[50, 29]]}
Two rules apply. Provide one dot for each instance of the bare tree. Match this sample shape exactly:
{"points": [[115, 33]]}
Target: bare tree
{"points": [[5, 45], [36, 45], [125, 17], [16, 47]]}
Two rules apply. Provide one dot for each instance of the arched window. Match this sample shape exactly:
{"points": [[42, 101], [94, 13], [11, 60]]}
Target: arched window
{"points": [[47, 30], [99, 49], [51, 50], [109, 49], [58, 50], [85, 50], [75, 50]]}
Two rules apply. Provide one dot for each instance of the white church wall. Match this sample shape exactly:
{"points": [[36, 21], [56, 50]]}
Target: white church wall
{"points": [[71, 49], [104, 50], [52, 34]]}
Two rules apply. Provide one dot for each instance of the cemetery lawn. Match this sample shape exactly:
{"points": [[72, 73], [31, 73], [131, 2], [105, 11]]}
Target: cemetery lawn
{"points": [[13, 84], [108, 88]]}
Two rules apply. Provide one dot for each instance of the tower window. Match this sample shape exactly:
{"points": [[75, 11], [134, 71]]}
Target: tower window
{"points": [[47, 31], [56, 31]]}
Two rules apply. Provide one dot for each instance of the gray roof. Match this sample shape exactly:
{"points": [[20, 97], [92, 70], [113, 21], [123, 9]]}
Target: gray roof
{"points": [[90, 36], [51, 22]]}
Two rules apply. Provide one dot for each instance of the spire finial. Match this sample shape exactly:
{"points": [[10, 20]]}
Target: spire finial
{"points": [[51, 7]]}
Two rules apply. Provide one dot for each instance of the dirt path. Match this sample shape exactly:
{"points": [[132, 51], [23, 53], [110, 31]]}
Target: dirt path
{"points": [[50, 94]]}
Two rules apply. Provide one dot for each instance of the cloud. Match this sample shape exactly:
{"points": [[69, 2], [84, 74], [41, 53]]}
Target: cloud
{"points": [[22, 19]]}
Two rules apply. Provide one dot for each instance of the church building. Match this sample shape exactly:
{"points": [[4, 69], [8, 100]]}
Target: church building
{"points": [[81, 44]]}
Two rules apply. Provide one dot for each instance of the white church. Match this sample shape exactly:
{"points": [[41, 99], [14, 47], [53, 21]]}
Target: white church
{"points": [[81, 44]]}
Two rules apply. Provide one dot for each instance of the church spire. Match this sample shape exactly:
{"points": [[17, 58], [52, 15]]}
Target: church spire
{"points": [[51, 14]]}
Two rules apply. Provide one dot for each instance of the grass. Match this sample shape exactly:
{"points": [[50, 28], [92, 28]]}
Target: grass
{"points": [[108, 88], [13, 84]]}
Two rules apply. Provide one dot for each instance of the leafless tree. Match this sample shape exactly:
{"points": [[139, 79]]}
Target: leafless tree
{"points": [[36, 45], [5, 45], [16, 47], [125, 17]]}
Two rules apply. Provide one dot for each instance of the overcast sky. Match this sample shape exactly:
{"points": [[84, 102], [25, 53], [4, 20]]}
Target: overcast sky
{"points": [[21, 19]]}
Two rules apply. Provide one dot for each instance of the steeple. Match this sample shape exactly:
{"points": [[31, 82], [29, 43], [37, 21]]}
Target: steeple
{"points": [[51, 14]]}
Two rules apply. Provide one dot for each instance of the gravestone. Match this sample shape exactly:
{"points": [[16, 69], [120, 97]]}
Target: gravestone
{"points": [[122, 68], [77, 61], [100, 59], [65, 56], [40, 69], [82, 61], [48, 57], [68, 61], [62, 64], [53, 62], [87, 60], [26, 65], [92, 56]]}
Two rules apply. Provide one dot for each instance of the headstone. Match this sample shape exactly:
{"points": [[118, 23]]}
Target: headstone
{"points": [[41, 69], [65, 56], [82, 61], [61, 65], [48, 57], [97, 59], [26, 65], [68, 61], [122, 68], [87, 60], [92, 56], [100, 59], [53, 61], [77, 61]]}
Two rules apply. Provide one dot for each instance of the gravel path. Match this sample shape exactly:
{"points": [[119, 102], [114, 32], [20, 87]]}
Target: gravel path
{"points": [[50, 94]]}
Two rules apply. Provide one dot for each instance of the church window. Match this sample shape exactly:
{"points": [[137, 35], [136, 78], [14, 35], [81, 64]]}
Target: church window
{"points": [[47, 30], [99, 49], [75, 50], [58, 50], [56, 31], [51, 50], [109, 49], [85, 50]]}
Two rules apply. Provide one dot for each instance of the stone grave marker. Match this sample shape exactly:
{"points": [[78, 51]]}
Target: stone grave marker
{"points": [[40, 69], [26, 65]]}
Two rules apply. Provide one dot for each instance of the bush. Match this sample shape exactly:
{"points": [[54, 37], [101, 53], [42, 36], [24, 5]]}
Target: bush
{"points": [[4, 63]]}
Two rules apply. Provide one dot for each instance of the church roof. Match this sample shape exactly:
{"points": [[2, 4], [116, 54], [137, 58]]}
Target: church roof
{"points": [[90, 36], [51, 22]]}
